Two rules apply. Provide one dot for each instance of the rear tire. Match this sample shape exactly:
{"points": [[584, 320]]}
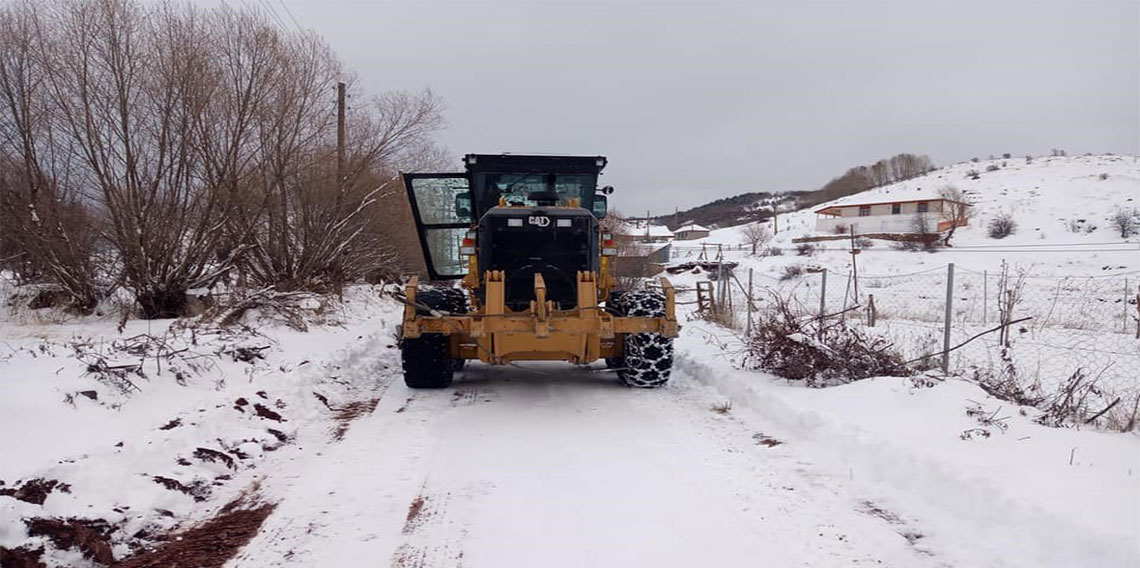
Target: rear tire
{"points": [[427, 360], [647, 359]]}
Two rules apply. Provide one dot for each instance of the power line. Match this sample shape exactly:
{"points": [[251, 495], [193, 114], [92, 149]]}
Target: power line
{"points": [[273, 13], [290, 14]]}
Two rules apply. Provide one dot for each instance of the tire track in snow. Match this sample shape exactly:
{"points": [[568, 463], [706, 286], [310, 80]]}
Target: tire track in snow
{"points": [[433, 537]]}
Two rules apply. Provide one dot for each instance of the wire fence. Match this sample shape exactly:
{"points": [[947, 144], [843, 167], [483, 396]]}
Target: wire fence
{"points": [[1088, 324]]}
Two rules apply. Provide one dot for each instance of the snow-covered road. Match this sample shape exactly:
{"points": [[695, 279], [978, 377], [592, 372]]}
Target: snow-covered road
{"points": [[548, 465]]}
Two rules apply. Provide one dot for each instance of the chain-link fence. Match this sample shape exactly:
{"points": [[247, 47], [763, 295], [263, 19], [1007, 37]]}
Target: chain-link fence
{"points": [[1049, 328]]}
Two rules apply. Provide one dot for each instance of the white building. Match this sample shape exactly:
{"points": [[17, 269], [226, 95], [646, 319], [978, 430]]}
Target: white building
{"points": [[888, 216], [645, 232], [691, 231]]}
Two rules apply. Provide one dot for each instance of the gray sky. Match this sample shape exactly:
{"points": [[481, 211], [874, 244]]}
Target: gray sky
{"points": [[699, 100]]}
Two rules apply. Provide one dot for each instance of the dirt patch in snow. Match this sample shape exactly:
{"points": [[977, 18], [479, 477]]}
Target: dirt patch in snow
{"points": [[351, 411], [35, 491], [206, 454], [912, 537], [414, 511], [198, 490], [21, 557], [209, 545], [90, 537], [763, 439], [265, 412]]}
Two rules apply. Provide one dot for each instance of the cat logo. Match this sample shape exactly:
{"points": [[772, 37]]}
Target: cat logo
{"points": [[539, 220]]}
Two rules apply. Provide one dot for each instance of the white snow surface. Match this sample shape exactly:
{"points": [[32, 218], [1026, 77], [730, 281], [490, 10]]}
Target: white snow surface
{"points": [[555, 465]]}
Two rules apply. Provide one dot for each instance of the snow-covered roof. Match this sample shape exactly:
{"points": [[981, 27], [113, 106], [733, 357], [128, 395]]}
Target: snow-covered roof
{"points": [[692, 227], [638, 229], [884, 196]]}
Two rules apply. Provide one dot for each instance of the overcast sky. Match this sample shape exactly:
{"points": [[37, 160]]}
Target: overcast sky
{"points": [[699, 100]]}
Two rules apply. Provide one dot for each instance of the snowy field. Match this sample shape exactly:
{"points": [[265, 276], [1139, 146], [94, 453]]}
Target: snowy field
{"points": [[166, 427], [1080, 288]]}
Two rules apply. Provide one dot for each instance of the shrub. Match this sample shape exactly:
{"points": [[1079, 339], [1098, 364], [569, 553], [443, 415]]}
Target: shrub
{"points": [[840, 229], [818, 352], [864, 242], [973, 174], [1104, 176], [775, 251], [993, 168], [1006, 155], [792, 271], [1002, 226], [805, 249]]}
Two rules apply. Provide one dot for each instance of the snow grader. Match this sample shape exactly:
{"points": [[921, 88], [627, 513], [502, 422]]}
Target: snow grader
{"points": [[522, 234]]}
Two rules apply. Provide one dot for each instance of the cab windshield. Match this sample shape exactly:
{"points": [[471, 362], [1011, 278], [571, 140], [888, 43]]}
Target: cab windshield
{"points": [[527, 189]]}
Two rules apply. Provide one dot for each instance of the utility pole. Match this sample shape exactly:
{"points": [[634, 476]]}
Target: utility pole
{"points": [[340, 135]]}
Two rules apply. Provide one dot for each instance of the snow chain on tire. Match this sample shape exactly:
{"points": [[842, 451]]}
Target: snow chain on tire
{"points": [[648, 357], [426, 359]]}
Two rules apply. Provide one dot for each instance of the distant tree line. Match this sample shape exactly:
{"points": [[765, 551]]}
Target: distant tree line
{"points": [[861, 178], [165, 147]]}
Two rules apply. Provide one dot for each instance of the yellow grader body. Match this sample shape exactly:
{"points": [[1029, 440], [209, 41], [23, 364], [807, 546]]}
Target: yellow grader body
{"points": [[496, 335]]}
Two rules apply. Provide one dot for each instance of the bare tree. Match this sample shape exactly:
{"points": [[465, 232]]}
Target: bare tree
{"points": [[185, 146], [956, 212], [1125, 220], [46, 229], [756, 235]]}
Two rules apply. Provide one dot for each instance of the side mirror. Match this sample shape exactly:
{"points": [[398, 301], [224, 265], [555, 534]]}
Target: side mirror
{"points": [[609, 189], [463, 206], [600, 204]]}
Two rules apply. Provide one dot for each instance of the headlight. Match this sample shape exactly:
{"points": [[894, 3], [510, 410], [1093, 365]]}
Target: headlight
{"points": [[563, 223], [514, 222]]}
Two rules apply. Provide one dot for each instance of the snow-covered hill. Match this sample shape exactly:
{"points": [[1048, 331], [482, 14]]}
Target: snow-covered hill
{"points": [[1044, 196]]}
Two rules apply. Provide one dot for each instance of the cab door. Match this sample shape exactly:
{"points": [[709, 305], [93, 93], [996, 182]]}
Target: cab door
{"points": [[441, 206]]}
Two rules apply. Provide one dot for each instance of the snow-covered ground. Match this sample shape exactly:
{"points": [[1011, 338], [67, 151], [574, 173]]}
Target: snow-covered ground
{"points": [[548, 464], [555, 465]]}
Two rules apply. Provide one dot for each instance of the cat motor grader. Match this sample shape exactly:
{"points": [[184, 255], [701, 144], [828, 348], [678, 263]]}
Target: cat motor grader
{"points": [[522, 234]]}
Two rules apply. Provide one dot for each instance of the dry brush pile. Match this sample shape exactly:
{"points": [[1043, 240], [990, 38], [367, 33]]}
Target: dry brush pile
{"points": [[164, 147], [818, 351]]}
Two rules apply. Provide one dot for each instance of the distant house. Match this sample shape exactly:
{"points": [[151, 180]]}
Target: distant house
{"points": [[644, 232], [690, 231], [881, 216]]}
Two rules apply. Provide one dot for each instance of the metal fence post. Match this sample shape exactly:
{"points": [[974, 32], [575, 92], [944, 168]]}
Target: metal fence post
{"points": [[1126, 290], [748, 332], [985, 295], [946, 324], [823, 293]]}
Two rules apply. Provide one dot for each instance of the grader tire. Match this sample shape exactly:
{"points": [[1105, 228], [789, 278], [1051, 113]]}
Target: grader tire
{"points": [[427, 363], [427, 360], [647, 359]]}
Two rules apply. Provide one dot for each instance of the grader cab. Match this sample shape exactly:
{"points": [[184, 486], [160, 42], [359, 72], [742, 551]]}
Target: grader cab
{"points": [[522, 235]]}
